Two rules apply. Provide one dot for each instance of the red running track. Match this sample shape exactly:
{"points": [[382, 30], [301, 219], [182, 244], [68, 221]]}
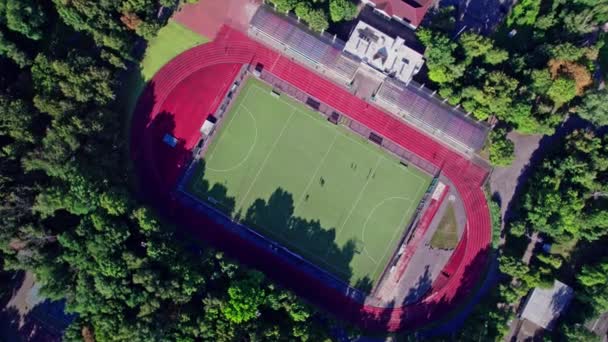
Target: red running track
{"points": [[188, 88]]}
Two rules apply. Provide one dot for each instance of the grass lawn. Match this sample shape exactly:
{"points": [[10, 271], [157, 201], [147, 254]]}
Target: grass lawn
{"points": [[564, 248], [446, 235], [314, 187], [170, 41]]}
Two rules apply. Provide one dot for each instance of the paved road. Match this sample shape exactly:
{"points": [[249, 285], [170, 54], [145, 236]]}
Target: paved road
{"points": [[25, 316], [504, 180]]}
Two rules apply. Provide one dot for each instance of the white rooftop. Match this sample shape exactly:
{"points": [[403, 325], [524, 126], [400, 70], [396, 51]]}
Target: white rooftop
{"points": [[544, 306], [379, 50], [207, 128]]}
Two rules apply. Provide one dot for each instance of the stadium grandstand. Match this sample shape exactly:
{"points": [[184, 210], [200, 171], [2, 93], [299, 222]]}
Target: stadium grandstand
{"points": [[421, 108], [193, 85], [411, 102], [294, 39]]}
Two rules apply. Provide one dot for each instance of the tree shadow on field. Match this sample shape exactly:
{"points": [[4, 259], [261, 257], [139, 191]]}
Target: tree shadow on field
{"points": [[364, 284], [307, 237], [166, 162], [216, 194], [274, 218]]}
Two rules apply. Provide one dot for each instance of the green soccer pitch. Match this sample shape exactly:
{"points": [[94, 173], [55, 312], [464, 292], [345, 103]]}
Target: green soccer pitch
{"points": [[318, 189]]}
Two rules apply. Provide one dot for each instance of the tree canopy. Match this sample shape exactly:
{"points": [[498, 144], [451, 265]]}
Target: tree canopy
{"points": [[501, 148], [26, 17], [528, 76], [528, 65], [69, 215], [594, 108], [593, 279], [317, 13]]}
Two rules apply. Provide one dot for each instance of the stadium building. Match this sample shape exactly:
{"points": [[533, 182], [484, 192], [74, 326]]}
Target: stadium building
{"points": [[322, 163]]}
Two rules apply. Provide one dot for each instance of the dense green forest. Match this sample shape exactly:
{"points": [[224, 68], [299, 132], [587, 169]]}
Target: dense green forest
{"points": [[532, 73], [566, 201], [540, 67], [318, 13], [67, 213]]}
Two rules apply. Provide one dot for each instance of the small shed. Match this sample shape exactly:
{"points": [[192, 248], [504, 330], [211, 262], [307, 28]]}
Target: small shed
{"points": [[208, 126], [544, 306]]}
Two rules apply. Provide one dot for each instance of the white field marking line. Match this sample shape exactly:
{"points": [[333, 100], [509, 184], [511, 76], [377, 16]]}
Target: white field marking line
{"points": [[314, 175], [358, 198], [366, 146], [345, 134], [419, 178], [385, 154], [274, 145], [245, 96], [409, 210], [264, 91], [370, 215], [251, 148], [259, 88], [297, 110]]}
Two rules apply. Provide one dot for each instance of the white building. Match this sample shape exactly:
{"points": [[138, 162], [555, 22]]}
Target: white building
{"points": [[389, 55], [544, 306]]}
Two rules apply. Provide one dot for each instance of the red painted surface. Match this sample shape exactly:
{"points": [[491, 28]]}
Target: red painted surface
{"points": [[412, 11], [182, 109], [213, 64], [206, 17], [421, 229]]}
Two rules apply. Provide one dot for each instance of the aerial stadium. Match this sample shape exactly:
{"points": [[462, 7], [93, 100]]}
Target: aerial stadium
{"points": [[321, 163]]}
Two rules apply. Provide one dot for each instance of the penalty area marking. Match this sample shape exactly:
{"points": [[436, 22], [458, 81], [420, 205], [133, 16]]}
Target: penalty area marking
{"points": [[274, 145], [242, 106], [421, 186], [357, 200], [371, 213], [251, 148], [231, 118]]}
